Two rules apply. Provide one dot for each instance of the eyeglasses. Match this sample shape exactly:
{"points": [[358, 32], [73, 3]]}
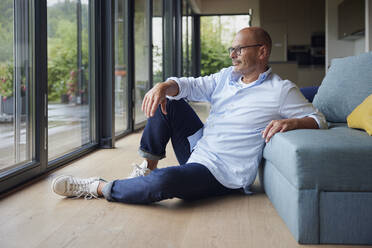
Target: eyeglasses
{"points": [[238, 49]]}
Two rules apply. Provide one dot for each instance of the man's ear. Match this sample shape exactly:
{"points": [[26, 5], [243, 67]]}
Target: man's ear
{"points": [[263, 52]]}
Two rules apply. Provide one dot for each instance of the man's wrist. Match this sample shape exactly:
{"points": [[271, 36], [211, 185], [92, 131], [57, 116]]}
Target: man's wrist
{"points": [[306, 123], [297, 123], [171, 87]]}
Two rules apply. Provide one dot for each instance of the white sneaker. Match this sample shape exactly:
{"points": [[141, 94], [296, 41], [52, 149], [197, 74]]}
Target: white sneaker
{"points": [[76, 187], [140, 170]]}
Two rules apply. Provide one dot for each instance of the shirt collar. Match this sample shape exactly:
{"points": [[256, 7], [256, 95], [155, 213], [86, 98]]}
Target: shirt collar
{"points": [[235, 76]]}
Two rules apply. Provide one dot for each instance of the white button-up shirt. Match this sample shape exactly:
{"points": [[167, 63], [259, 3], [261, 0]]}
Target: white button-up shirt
{"points": [[230, 144]]}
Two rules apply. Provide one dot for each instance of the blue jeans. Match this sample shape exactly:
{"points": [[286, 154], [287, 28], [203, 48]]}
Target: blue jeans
{"points": [[188, 181]]}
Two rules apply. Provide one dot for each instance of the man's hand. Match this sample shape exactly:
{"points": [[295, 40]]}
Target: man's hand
{"points": [[286, 125], [278, 126], [157, 95]]}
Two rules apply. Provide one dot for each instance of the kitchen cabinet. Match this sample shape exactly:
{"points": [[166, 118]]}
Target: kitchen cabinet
{"points": [[351, 19]]}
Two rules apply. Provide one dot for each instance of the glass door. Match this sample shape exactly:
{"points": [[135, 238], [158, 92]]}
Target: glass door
{"points": [[141, 53], [186, 39], [69, 76], [121, 68], [157, 41], [17, 108]]}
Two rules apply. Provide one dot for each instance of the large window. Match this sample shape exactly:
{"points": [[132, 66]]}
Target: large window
{"points": [[186, 39], [69, 78], [121, 62], [141, 53], [54, 80], [157, 41], [16, 83], [217, 33]]}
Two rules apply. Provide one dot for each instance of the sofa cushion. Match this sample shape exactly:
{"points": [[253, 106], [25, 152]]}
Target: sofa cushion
{"points": [[361, 117], [309, 92], [337, 159], [347, 83]]}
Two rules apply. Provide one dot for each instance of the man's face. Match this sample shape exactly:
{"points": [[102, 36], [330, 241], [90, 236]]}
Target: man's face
{"points": [[247, 61]]}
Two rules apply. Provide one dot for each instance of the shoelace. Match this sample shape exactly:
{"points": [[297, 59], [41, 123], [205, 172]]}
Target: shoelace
{"points": [[80, 187], [139, 171]]}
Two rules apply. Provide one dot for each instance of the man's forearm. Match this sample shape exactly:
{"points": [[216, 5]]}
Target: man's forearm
{"points": [[171, 88], [307, 123]]}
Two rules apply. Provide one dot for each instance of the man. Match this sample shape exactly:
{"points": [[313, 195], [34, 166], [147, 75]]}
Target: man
{"points": [[249, 104]]}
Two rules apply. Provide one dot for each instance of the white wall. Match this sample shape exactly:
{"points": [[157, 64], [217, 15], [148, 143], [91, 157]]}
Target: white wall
{"points": [[359, 46]]}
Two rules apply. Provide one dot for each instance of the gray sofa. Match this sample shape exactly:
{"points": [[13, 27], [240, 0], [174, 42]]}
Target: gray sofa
{"points": [[320, 181]]}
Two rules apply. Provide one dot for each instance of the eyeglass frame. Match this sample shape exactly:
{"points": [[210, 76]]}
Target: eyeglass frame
{"points": [[238, 49]]}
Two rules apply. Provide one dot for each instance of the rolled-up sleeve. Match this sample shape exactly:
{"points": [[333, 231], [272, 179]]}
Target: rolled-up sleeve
{"points": [[294, 105], [195, 89]]}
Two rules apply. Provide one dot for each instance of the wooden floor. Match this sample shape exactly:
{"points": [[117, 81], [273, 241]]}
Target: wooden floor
{"points": [[36, 217]]}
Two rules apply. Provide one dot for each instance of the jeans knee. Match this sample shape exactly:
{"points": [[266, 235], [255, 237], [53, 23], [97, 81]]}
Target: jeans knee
{"points": [[176, 104], [165, 178]]}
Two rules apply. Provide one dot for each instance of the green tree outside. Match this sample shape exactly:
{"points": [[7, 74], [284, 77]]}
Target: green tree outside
{"points": [[62, 49], [6, 30], [214, 55], [217, 34]]}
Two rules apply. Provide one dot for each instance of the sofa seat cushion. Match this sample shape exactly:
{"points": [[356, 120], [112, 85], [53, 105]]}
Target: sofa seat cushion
{"points": [[337, 159]]}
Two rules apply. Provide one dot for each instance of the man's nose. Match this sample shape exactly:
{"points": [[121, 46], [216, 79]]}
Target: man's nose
{"points": [[233, 54]]}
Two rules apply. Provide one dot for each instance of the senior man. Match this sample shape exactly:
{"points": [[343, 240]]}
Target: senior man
{"points": [[249, 104]]}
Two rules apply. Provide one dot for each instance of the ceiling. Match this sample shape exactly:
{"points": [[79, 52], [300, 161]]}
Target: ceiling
{"points": [[208, 7]]}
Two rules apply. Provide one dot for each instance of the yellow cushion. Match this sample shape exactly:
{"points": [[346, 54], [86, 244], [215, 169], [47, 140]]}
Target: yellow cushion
{"points": [[361, 117]]}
